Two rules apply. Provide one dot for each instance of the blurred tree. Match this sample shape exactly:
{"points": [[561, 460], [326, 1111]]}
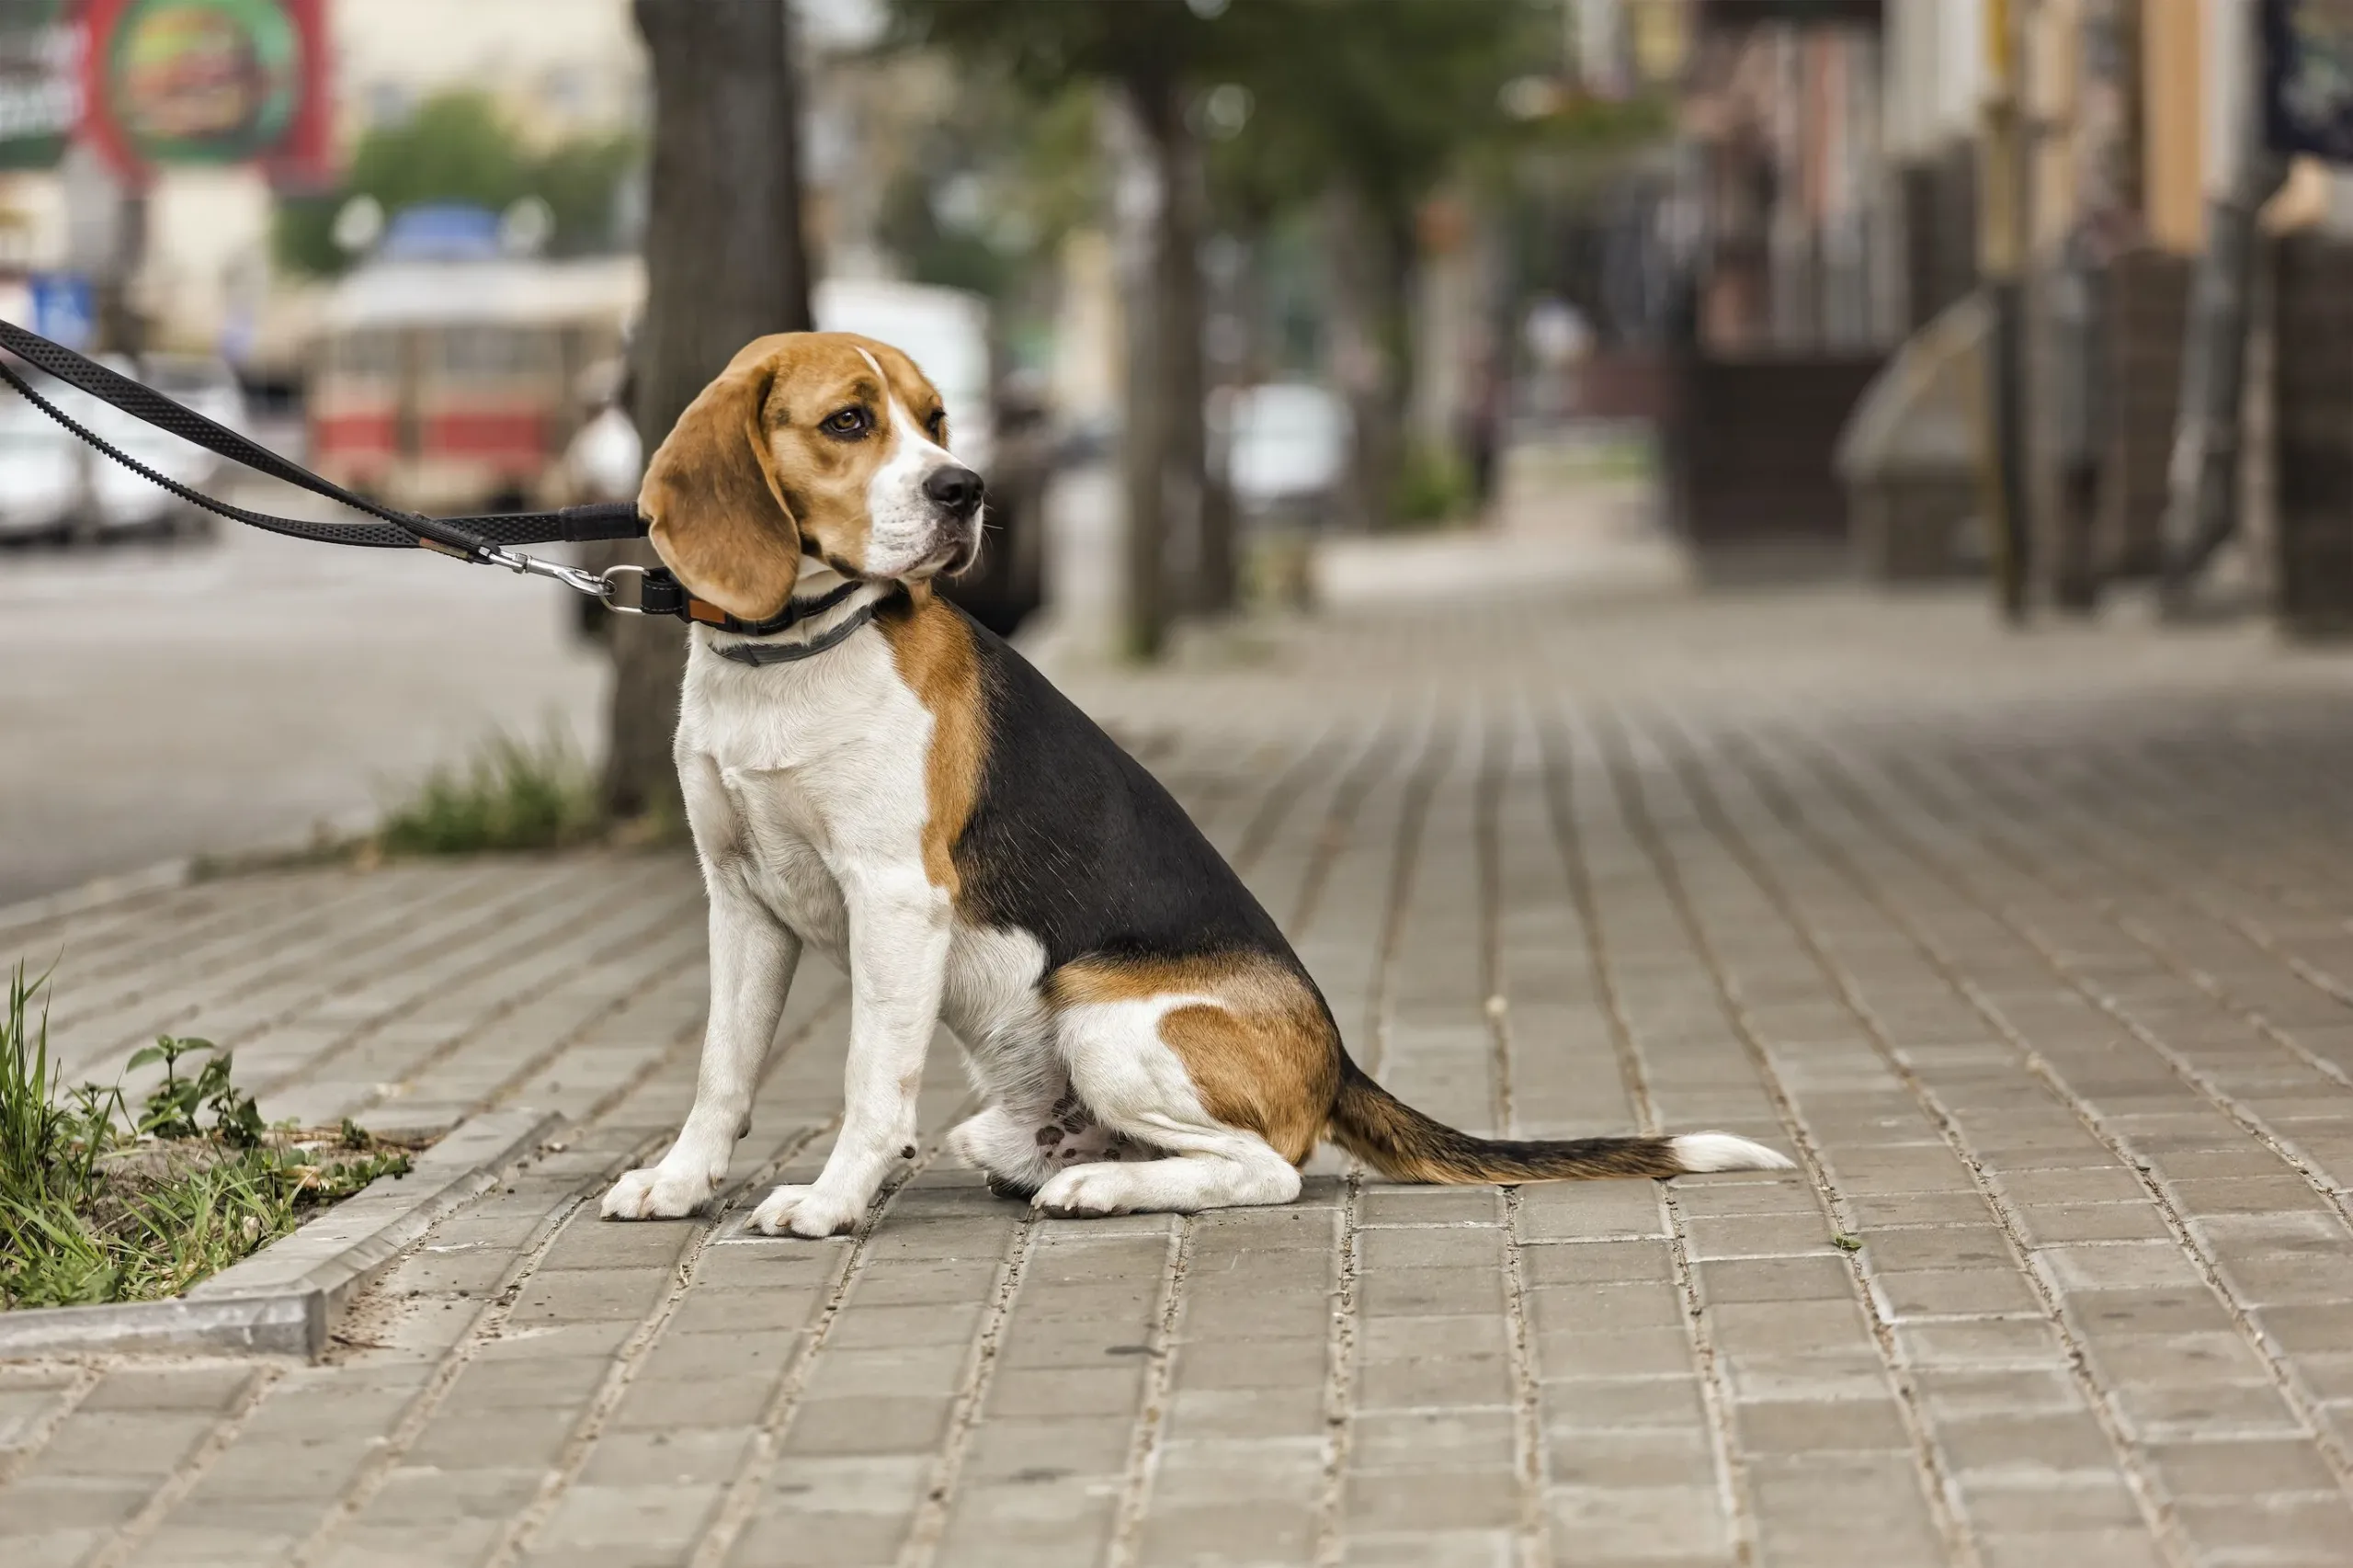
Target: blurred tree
{"points": [[989, 192], [458, 147], [724, 264], [1359, 109], [1351, 110], [1155, 53], [581, 182]]}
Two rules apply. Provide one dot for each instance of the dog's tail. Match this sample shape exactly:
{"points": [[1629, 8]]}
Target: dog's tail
{"points": [[1404, 1145]]}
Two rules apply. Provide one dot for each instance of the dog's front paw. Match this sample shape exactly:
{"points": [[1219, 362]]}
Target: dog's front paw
{"points": [[1088, 1191], [804, 1211], [658, 1192]]}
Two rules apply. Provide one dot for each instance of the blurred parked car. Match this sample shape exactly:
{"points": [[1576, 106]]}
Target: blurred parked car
{"points": [[1287, 445], [51, 485], [40, 471], [118, 501]]}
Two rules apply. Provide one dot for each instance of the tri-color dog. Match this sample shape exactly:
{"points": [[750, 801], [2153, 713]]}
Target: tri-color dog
{"points": [[890, 784]]}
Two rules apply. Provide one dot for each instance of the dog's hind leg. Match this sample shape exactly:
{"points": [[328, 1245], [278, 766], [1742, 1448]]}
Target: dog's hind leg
{"points": [[1133, 1084], [998, 1142], [1022, 1144]]}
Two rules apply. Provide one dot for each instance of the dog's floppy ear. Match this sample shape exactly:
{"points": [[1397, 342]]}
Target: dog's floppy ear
{"points": [[717, 516]]}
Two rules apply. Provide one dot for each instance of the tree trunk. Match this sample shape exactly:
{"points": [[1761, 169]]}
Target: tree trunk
{"points": [[1368, 289], [724, 264], [1206, 523], [1148, 426]]}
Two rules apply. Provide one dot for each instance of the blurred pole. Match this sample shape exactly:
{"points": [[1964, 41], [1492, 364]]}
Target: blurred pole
{"points": [[1165, 451], [121, 325], [1206, 529], [1138, 197], [724, 263], [1363, 275], [2201, 483], [2001, 256]]}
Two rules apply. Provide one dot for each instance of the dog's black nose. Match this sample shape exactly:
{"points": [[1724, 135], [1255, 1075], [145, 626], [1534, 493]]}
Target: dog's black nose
{"points": [[957, 489]]}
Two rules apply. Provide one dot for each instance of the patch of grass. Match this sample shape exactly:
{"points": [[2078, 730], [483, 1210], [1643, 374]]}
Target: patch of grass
{"points": [[1433, 489], [92, 1213], [510, 795]]}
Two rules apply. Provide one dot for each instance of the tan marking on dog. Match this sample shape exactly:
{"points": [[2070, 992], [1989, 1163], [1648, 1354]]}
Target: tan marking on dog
{"points": [[933, 650], [1265, 1058]]}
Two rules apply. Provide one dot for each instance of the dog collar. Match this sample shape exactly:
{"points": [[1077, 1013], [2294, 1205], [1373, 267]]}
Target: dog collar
{"points": [[759, 653], [658, 593]]}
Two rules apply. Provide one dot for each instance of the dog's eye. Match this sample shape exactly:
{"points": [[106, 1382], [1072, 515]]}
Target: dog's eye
{"points": [[848, 422], [938, 425]]}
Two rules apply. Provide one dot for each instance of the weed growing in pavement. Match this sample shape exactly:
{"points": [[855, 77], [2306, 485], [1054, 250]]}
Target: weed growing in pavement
{"points": [[91, 1212], [510, 795]]}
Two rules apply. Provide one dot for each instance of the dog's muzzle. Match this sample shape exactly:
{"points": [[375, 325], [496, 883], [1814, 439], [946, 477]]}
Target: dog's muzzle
{"points": [[956, 492]]}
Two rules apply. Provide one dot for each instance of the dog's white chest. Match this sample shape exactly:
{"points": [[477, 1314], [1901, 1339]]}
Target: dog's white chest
{"points": [[819, 767], [782, 863]]}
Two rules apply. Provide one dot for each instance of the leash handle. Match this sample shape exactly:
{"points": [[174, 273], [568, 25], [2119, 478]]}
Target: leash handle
{"points": [[477, 539]]}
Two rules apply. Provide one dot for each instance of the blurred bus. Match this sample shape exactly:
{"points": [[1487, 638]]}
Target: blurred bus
{"points": [[443, 379]]}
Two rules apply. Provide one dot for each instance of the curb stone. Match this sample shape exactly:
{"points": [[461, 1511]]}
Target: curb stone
{"points": [[162, 876], [177, 871], [287, 1299]]}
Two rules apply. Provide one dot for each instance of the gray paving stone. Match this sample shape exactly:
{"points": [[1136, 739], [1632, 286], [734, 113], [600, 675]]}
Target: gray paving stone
{"points": [[1437, 1382], [2250, 1467], [1241, 1532], [1784, 1427], [1735, 1281], [1647, 1523], [50, 1505], [1608, 1308]]}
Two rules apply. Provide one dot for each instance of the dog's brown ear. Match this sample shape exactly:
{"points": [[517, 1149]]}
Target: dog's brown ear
{"points": [[718, 518]]}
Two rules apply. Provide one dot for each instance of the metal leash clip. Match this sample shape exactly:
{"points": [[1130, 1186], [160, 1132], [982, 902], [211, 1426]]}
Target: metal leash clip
{"points": [[604, 586]]}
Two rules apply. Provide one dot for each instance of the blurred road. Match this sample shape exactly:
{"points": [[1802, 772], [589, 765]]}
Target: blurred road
{"points": [[161, 701]]}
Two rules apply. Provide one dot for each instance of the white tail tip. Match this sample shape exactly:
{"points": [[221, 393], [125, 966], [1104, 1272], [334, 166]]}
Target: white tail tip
{"points": [[1722, 1151]]}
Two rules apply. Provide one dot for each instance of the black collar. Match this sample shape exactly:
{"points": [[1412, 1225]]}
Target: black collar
{"points": [[794, 612], [757, 654]]}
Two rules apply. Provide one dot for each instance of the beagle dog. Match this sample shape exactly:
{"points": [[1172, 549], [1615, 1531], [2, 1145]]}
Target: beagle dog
{"points": [[887, 782]]}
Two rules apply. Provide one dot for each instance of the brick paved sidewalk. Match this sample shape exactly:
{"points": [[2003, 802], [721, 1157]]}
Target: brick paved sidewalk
{"points": [[2036, 952]]}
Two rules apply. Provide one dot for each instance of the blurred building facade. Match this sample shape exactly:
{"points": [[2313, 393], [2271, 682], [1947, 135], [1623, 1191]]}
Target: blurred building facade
{"points": [[204, 274], [1839, 150]]}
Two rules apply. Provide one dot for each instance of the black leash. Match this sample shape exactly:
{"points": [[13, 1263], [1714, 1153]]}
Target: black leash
{"points": [[484, 540]]}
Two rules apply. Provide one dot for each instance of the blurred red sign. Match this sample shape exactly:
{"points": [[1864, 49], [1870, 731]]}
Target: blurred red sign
{"points": [[177, 82]]}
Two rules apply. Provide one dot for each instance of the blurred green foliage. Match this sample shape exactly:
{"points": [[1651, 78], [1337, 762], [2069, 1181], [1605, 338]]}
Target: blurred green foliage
{"points": [[1432, 488], [994, 186], [1390, 95], [1045, 44], [458, 147], [510, 795]]}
